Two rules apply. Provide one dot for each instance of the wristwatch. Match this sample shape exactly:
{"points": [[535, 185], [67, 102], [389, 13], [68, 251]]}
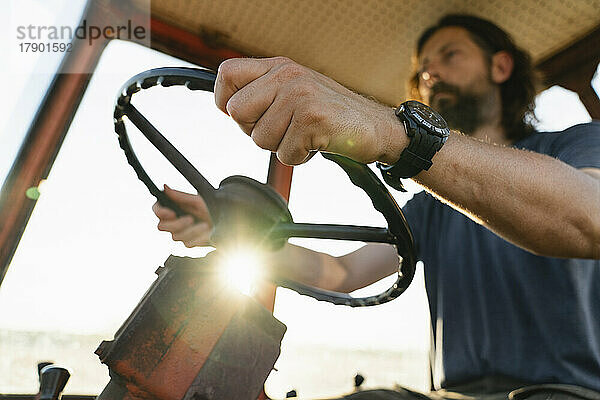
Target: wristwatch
{"points": [[427, 131]]}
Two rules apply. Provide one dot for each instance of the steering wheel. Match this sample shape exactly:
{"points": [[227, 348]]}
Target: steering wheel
{"points": [[245, 209]]}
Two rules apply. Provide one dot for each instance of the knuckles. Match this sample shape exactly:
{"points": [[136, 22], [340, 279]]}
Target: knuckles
{"points": [[291, 156], [311, 115], [235, 109], [261, 139], [294, 149], [298, 89], [288, 70], [228, 69]]}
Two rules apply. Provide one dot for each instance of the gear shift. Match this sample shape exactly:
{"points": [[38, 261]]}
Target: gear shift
{"points": [[52, 382], [41, 366]]}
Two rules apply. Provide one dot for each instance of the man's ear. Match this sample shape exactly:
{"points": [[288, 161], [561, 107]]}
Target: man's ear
{"points": [[502, 66]]}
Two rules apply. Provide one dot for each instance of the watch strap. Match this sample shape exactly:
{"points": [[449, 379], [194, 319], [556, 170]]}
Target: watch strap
{"points": [[415, 158]]}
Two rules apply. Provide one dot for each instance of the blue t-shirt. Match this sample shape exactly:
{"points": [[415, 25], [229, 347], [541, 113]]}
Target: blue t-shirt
{"points": [[499, 310]]}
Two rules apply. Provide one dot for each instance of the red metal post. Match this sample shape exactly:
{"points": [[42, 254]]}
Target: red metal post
{"points": [[43, 140]]}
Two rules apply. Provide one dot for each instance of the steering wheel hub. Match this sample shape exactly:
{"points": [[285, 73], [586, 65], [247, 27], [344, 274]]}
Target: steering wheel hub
{"points": [[248, 211]]}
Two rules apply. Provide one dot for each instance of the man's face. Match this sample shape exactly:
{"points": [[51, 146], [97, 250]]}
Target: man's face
{"points": [[455, 78]]}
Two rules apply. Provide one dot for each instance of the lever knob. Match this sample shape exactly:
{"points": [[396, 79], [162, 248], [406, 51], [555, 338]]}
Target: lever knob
{"points": [[41, 366], [52, 382]]}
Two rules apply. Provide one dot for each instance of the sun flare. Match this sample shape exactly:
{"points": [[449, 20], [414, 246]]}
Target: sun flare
{"points": [[242, 269]]}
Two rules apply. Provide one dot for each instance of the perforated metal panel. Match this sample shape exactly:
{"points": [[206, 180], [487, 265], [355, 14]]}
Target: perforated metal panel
{"points": [[367, 44]]}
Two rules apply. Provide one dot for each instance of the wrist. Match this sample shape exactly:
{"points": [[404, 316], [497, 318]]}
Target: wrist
{"points": [[394, 139], [425, 132]]}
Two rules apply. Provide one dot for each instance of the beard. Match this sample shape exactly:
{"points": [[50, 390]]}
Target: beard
{"points": [[462, 111]]}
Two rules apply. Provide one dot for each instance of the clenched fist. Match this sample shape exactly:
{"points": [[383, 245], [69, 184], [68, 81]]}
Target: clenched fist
{"points": [[292, 110]]}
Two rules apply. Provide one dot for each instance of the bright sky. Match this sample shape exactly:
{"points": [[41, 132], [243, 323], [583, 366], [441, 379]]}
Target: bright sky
{"points": [[91, 247]]}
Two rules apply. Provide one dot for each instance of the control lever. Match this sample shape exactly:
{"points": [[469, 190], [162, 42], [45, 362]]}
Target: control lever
{"points": [[52, 382], [40, 367]]}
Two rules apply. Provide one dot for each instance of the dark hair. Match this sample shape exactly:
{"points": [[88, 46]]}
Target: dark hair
{"points": [[517, 92]]}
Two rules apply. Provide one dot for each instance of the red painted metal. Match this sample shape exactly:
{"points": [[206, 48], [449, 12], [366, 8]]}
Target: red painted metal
{"points": [[192, 337], [280, 177], [187, 46], [42, 142]]}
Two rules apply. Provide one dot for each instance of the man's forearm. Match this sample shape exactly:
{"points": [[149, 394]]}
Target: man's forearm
{"points": [[532, 200], [347, 273], [308, 267]]}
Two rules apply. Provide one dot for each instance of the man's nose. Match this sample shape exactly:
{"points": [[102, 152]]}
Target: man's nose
{"points": [[430, 75]]}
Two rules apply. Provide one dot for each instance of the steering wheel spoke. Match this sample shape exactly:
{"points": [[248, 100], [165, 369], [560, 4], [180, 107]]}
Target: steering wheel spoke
{"points": [[333, 231], [185, 168]]}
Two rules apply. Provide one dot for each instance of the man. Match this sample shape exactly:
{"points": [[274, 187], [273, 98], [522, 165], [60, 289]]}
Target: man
{"points": [[511, 259]]}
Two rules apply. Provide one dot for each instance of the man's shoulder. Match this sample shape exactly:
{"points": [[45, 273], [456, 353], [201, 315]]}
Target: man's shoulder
{"points": [[542, 139], [592, 126], [577, 145]]}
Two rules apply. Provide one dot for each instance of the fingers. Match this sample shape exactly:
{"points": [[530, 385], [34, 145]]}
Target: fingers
{"points": [[176, 225], [185, 229], [163, 212], [190, 203], [195, 235], [293, 149], [236, 73], [292, 110], [300, 141], [248, 105], [270, 128], [193, 229], [274, 101]]}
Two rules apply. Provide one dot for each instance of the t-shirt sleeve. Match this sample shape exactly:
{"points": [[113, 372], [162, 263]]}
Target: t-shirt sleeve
{"points": [[579, 146]]}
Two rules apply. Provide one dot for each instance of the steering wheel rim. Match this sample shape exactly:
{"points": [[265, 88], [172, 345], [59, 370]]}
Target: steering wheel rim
{"points": [[282, 227]]}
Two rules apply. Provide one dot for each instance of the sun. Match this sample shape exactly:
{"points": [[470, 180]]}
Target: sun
{"points": [[242, 269]]}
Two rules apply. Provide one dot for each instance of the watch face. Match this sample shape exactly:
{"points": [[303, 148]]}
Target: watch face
{"points": [[426, 116]]}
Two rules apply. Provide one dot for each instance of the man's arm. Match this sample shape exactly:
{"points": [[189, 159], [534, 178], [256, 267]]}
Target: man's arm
{"points": [[534, 201], [593, 172], [347, 273]]}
